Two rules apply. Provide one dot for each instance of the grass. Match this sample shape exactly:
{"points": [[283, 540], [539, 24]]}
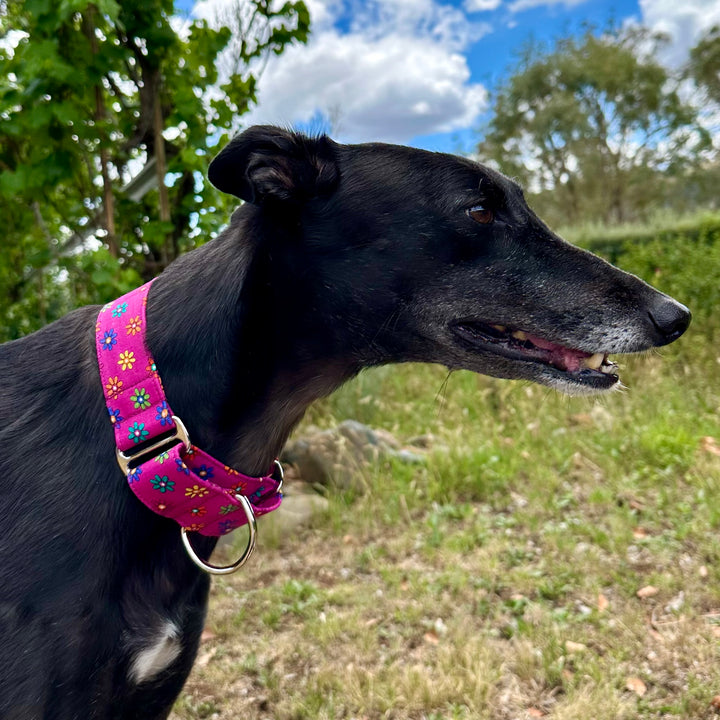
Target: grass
{"points": [[499, 578]]}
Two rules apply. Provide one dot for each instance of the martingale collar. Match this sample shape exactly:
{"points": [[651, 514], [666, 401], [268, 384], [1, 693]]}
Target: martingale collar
{"points": [[167, 473]]}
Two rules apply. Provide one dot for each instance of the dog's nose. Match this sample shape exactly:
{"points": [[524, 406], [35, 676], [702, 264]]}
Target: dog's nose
{"points": [[670, 318]]}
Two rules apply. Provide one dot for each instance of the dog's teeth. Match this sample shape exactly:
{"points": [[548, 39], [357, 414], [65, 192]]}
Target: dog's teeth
{"points": [[501, 328], [608, 366], [520, 335], [594, 361]]}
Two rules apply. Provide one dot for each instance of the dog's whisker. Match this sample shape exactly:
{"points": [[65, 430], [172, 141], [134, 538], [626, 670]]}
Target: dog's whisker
{"points": [[441, 395]]}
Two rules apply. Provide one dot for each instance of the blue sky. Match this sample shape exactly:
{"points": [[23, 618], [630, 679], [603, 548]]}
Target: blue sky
{"points": [[490, 58], [419, 71]]}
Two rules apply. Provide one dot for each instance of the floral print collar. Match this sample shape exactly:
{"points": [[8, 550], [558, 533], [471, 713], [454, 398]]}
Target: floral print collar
{"points": [[178, 481]]}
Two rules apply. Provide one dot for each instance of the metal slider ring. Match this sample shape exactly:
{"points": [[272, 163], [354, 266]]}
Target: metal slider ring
{"points": [[179, 434], [226, 569]]}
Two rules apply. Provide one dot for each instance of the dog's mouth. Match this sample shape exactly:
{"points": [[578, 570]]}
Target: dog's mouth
{"points": [[580, 367]]}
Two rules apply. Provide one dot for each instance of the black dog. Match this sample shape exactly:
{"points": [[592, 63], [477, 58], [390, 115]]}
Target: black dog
{"points": [[342, 257]]}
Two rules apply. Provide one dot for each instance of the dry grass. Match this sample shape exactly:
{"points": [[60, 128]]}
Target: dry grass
{"points": [[499, 579], [371, 627]]}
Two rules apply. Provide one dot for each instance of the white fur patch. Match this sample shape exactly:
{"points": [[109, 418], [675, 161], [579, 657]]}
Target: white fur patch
{"points": [[157, 655]]}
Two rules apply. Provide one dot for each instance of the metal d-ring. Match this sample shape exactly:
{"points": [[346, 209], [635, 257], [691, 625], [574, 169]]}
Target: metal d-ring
{"points": [[281, 476], [226, 569]]}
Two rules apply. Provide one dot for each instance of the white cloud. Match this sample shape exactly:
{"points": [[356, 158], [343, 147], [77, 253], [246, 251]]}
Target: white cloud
{"points": [[381, 70], [323, 12], [388, 89], [520, 5], [684, 21], [426, 19], [473, 6]]}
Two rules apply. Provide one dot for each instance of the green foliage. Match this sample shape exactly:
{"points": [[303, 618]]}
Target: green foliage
{"points": [[683, 262], [704, 64], [593, 126], [84, 95]]}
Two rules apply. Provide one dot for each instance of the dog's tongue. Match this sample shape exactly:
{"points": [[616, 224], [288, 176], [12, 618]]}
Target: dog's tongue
{"points": [[561, 357]]}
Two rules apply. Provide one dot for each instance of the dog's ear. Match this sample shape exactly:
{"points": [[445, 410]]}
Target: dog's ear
{"points": [[266, 162]]}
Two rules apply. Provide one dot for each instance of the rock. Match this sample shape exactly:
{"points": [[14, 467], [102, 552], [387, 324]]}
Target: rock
{"points": [[422, 441], [320, 459], [337, 457], [675, 605], [574, 648], [297, 510], [647, 592]]}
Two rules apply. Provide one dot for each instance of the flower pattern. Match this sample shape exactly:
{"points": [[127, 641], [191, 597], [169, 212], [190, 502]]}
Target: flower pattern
{"points": [[185, 485], [163, 484], [134, 326], [182, 467], [204, 472], [109, 339], [126, 360], [163, 414], [225, 526], [257, 494], [115, 417], [134, 475], [120, 309], [196, 491], [114, 387], [137, 432], [141, 398]]}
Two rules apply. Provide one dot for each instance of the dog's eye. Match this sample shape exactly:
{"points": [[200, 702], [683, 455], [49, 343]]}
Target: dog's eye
{"points": [[479, 213]]}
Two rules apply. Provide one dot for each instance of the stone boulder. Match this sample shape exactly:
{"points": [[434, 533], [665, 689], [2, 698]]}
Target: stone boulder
{"points": [[336, 457]]}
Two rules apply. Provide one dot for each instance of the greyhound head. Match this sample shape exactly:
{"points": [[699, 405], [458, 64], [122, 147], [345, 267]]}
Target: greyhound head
{"points": [[382, 253]]}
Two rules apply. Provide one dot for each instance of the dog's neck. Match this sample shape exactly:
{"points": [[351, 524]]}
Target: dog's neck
{"points": [[234, 364]]}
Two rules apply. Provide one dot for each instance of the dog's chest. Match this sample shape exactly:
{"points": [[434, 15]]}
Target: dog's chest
{"points": [[152, 653]]}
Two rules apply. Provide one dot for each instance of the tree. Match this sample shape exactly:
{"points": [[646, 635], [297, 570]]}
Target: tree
{"points": [[90, 94], [704, 63], [593, 126], [703, 68]]}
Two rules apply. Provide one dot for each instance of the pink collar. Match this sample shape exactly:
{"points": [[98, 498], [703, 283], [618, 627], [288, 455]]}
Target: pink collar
{"points": [[165, 471]]}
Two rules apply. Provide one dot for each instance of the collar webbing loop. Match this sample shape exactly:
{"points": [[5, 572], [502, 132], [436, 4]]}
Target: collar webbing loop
{"points": [[165, 471]]}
